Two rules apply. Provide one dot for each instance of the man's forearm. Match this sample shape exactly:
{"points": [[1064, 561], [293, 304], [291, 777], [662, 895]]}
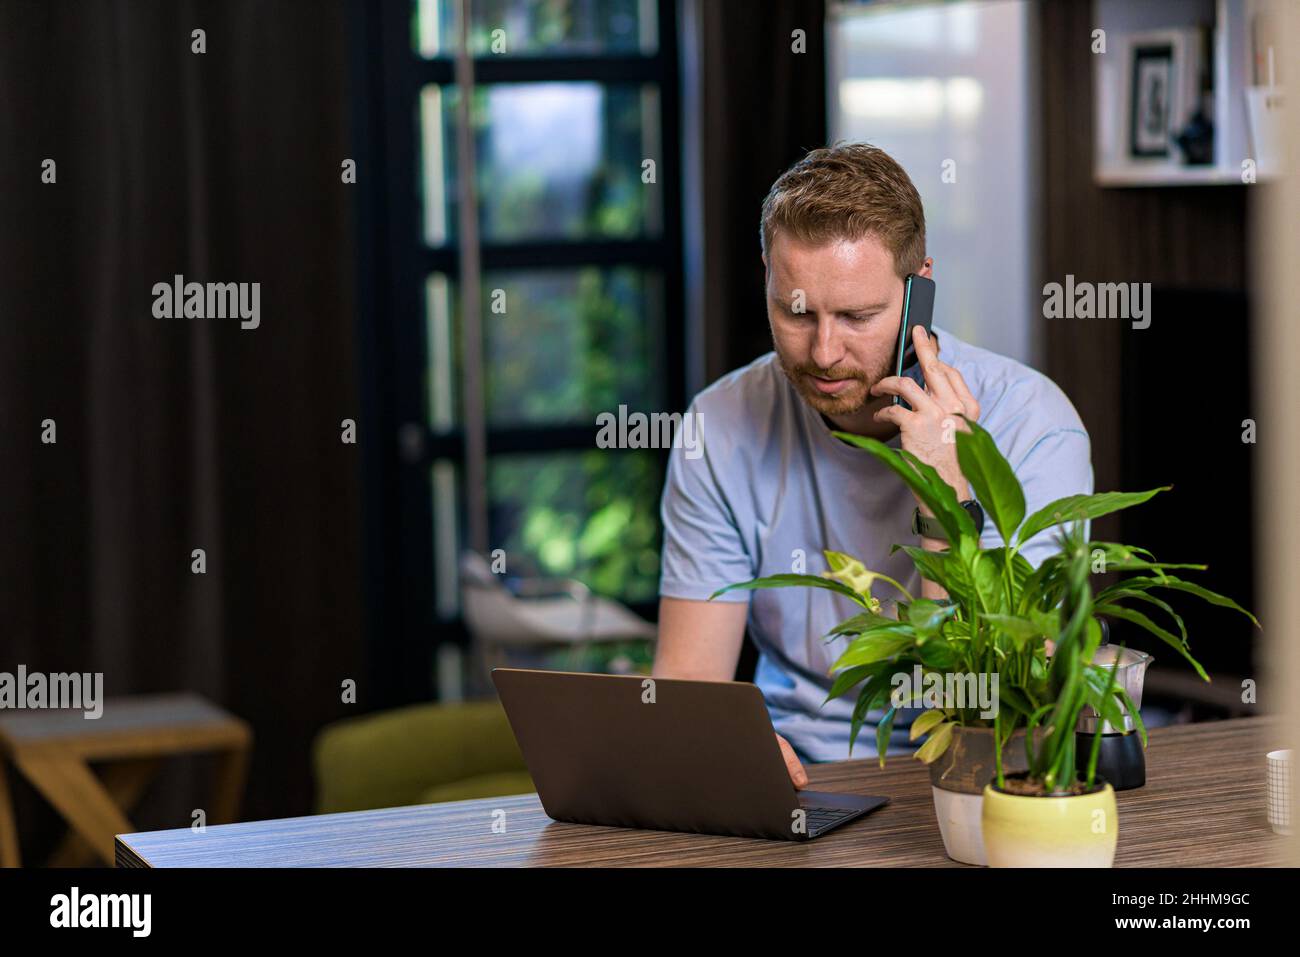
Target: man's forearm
{"points": [[928, 588]]}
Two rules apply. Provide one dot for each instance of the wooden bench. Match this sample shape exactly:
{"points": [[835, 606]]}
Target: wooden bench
{"points": [[53, 750]]}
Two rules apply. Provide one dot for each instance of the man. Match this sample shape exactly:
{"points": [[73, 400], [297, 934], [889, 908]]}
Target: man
{"points": [[773, 487]]}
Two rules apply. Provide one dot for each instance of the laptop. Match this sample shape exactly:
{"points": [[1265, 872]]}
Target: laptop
{"points": [[663, 753]]}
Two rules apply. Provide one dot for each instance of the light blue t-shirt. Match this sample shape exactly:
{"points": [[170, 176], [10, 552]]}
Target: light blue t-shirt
{"points": [[768, 483]]}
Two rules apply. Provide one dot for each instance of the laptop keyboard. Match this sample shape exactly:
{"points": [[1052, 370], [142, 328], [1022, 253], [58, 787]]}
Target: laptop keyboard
{"points": [[820, 818]]}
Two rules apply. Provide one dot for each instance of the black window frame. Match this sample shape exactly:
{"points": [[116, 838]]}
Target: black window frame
{"points": [[393, 262]]}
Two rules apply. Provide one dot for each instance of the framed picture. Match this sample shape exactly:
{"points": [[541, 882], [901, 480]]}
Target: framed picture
{"points": [[1161, 71], [1153, 96]]}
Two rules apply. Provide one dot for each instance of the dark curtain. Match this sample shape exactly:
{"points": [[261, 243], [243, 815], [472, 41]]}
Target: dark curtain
{"points": [[177, 434], [764, 107]]}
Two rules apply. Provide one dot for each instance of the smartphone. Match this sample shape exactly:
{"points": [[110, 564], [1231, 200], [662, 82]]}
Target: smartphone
{"points": [[918, 310]]}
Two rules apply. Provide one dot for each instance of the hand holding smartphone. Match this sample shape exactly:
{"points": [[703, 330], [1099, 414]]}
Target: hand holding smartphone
{"points": [[918, 310]]}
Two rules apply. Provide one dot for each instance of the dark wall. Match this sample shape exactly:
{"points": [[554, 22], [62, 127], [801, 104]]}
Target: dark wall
{"points": [[175, 434], [1163, 405]]}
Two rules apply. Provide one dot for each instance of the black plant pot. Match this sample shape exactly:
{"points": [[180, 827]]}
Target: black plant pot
{"points": [[1120, 760]]}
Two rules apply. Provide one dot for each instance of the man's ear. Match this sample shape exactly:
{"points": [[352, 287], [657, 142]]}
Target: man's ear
{"points": [[927, 269]]}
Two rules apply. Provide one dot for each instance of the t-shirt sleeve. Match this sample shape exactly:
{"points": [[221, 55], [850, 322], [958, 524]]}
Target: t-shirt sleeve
{"points": [[1058, 464], [703, 548]]}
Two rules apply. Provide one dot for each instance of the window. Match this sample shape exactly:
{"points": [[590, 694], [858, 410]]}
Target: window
{"points": [[573, 116]]}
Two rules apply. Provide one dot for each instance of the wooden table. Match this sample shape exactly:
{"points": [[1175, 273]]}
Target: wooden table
{"points": [[1203, 805], [54, 749]]}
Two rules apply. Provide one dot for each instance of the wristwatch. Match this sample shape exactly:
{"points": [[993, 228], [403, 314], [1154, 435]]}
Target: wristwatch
{"points": [[927, 526]]}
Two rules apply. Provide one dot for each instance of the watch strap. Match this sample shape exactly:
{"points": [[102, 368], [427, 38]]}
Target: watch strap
{"points": [[928, 526]]}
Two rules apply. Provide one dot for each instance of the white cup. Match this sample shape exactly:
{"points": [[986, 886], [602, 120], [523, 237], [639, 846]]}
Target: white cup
{"points": [[1279, 791]]}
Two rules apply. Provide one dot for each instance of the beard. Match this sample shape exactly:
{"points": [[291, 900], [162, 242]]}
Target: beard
{"points": [[848, 401]]}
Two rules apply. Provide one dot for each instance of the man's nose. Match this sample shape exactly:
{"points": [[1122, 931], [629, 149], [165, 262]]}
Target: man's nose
{"points": [[827, 349]]}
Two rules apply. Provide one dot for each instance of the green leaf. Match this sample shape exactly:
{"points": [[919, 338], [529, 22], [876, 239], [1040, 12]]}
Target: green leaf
{"points": [[937, 743], [1038, 669], [1141, 620], [911, 699], [1105, 707], [917, 480], [1021, 569], [1015, 700], [944, 569], [861, 622], [795, 581], [1214, 598], [1112, 596], [1020, 630], [876, 646], [924, 722], [988, 582], [938, 654], [1134, 713], [1077, 508], [996, 487], [1041, 589], [1125, 558], [1102, 695], [930, 564], [926, 616], [883, 730], [1048, 622], [847, 678], [891, 460], [872, 695]]}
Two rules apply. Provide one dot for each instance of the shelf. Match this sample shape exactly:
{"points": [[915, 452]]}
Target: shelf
{"points": [[1166, 176], [1203, 38]]}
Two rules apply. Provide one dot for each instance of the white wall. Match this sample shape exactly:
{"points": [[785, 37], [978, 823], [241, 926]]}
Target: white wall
{"points": [[935, 82]]}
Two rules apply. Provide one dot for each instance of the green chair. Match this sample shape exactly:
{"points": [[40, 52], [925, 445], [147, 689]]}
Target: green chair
{"points": [[422, 754]]}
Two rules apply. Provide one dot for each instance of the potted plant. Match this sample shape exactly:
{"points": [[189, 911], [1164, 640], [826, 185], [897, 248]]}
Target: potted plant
{"points": [[999, 616], [1051, 815]]}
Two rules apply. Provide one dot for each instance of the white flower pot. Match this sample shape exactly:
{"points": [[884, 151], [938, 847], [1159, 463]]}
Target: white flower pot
{"points": [[960, 817], [957, 780]]}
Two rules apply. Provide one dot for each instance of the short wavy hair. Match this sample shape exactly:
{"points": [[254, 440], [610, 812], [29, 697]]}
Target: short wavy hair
{"points": [[848, 191]]}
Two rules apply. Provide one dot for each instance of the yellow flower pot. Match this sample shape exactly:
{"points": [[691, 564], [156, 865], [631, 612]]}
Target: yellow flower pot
{"points": [[1067, 831]]}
